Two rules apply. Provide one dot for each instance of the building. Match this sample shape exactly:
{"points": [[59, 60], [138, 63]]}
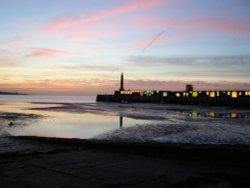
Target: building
{"points": [[189, 87], [188, 96]]}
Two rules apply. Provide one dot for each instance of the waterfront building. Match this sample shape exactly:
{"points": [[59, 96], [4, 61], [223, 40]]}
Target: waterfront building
{"points": [[187, 96]]}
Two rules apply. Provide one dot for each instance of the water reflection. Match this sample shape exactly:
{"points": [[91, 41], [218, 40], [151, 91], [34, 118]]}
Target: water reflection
{"points": [[90, 120], [54, 123], [121, 121], [225, 115]]}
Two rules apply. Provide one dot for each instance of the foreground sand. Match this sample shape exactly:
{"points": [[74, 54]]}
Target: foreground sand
{"points": [[51, 162]]}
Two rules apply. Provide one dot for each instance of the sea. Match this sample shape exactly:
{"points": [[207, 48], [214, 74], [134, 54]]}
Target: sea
{"points": [[82, 117]]}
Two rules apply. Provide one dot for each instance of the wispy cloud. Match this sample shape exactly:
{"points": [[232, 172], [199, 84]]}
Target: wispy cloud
{"points": [[104, 23], [85, 67], [47, 52], [195, 68], [83, 20], [216, 61], [204, 24]]}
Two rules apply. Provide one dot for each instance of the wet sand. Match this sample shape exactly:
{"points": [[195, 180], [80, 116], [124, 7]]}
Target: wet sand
{"points": [[54, 162]]}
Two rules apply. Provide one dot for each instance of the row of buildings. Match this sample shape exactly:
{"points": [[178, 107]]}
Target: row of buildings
{"points": [[187, 96], [188, 92]]}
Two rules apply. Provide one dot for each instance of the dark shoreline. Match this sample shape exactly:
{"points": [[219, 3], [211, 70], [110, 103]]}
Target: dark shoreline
{"points": [[204, 151], [14, 93], [28, 161]]}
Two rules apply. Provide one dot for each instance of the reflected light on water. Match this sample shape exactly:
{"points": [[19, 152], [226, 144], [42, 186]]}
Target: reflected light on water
{"points": [[231, 115], [64, 124]]}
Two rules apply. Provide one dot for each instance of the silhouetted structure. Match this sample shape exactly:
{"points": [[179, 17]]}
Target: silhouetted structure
{"points": [[189, 87], [189, 96], [122, 83]]}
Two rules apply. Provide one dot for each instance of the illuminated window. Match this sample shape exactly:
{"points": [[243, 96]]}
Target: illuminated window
{"points": [[212, 94], [234, 94], [212, 114], [141, 93], [218, 93], [246, 93], [194, 114], [195, 94], [185, 94], [207, 93], [228, 93], [165, 94], [126, 92], [233, 115], [177, 94], [240, 93]]}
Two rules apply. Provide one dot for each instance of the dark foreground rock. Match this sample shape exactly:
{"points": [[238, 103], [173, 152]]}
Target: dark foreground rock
{"points": [[44, 162]]}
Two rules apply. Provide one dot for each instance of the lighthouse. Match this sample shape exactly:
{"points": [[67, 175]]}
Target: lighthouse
{"points": [[122, 82]]}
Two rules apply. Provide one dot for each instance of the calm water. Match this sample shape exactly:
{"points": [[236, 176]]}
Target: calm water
{"points": [[82, 117], [58, 123], [47, 98]]}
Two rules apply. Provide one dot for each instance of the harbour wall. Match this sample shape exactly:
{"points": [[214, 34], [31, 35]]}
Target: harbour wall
{"points": [[215, 101]]}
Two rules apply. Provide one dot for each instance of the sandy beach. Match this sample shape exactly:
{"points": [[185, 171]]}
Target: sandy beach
{"points": [[54, 162]]}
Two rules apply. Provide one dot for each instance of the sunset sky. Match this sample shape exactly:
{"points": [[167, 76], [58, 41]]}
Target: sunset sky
{"points": [[80, 47]]}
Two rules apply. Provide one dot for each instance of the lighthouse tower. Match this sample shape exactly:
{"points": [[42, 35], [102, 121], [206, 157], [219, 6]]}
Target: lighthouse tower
{"points": [[122, 83]]}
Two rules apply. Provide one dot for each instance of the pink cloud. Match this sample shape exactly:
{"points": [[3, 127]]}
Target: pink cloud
{"points": [[38, 52], [226, 26], [61, 24], [199, 28]]}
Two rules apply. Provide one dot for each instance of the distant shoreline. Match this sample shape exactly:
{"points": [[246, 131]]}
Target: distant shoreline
{"points": [[12, 93]]}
